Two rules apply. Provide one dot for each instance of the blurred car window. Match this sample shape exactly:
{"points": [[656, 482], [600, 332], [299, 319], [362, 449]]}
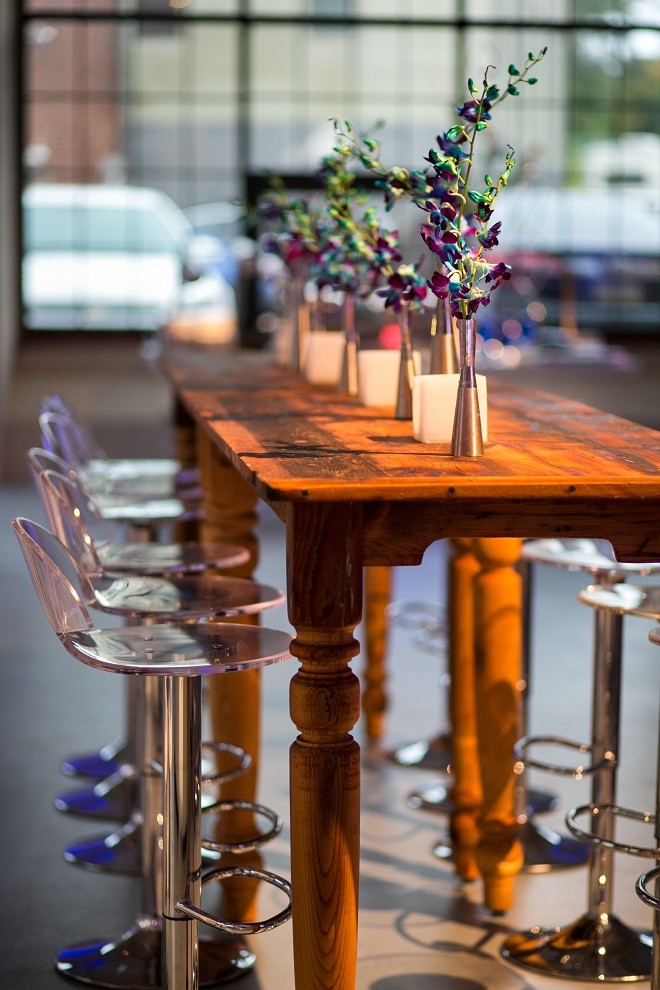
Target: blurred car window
{"points": [[118, 258]]}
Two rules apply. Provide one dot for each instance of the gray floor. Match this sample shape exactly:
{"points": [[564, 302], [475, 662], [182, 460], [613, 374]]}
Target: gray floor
{"points": [[419, 928]]}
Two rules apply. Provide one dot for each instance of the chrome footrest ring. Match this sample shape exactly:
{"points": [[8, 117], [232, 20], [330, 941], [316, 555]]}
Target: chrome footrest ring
{"points": [[244, 845], [523, 745], [236, 927], [642, 891], [618, 812], [244, 762]]}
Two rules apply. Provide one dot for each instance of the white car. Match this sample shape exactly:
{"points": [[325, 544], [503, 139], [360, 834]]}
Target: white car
{"points": [[100, 257]]}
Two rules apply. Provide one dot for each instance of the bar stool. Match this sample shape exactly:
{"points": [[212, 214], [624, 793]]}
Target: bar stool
{"points": [[144, 599], [74, 441], [74, 514], [598, 945], [162, 948], [74, 517], [149, 503], [651, 876]]}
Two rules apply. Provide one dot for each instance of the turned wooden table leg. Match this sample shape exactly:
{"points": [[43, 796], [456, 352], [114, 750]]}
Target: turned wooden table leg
{"points": [[498, 610], [324, 567], [234, 701], [377, 596], [466, 792]]}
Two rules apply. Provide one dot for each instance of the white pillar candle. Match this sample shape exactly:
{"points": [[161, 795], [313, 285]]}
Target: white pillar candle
{"points": [[323, 356], [378, 376], [434, 403]]}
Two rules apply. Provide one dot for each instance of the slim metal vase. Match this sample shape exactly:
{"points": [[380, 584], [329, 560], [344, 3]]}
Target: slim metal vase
{"points": [[467, 438], [406, 370], [444, 359], [300, 314], [348, 380]]}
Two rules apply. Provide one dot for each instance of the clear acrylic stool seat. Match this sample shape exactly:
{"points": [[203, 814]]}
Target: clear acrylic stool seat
{"points": [[162, 948], [65, 433]]}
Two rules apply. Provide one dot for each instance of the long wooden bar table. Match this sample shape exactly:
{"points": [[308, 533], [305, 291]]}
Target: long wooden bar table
{"points": [[353, 489]]}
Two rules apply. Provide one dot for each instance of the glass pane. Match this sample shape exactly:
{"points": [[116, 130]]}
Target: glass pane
{"points": [[194, 109]]}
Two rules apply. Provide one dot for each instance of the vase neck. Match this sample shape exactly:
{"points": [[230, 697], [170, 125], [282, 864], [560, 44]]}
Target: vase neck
{"points": [[349, 314], [467, 336]]}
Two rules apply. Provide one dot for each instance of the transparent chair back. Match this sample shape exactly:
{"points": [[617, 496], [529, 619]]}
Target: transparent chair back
{"points": [[41, 460], [55, 403], [69, 438], [78, 524], [58, 589]]}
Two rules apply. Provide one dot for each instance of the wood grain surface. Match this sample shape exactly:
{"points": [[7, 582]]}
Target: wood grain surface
{"points": [[552, 466]]}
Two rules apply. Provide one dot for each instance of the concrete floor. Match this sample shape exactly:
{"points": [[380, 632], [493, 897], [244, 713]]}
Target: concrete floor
{"points": [[420, 929]]}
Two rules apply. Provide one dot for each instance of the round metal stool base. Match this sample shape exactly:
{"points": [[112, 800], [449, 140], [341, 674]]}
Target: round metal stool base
{"points": [[115, 797], [538, 802], [434, 797], [133, 961], [587, 950], [544, 849], [118, 852], [426, 754], [97, 765]]}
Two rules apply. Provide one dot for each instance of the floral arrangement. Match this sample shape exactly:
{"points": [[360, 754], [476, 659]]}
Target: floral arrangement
{"points": [[301, 232], [340, 248], [458, 230], [359, 254]]}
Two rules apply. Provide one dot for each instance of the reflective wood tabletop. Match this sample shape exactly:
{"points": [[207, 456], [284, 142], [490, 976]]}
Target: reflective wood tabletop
{"points": [[354, 489]]}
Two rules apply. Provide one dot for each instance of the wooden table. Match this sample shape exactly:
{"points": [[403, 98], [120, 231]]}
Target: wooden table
{"points": [[354, 489]]}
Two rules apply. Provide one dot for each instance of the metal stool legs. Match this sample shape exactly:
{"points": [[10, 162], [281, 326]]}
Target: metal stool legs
{"points": [[185, 960], [162, 948], [597, 946], [121, 850]]}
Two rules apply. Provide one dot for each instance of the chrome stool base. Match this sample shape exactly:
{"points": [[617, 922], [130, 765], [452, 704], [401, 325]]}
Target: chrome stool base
{"points": [[590, 949], [99, 765], [116, 852], [543, 848], [425, 754], [133, 961], [112, 798], [546, 850], [121, 851], [436, 797]]}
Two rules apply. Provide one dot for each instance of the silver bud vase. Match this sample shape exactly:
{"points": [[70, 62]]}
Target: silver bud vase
{"points": [[444, 359], [467, 438], [406, 369], [300, 316], [348, 380]]}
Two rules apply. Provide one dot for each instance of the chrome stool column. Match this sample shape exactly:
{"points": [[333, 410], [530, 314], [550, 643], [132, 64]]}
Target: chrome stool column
{"points": [[162, 947], [598, 946]]}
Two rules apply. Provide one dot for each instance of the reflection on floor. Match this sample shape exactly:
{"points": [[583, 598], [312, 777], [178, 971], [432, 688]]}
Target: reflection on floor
{"points": [[420, 929]]}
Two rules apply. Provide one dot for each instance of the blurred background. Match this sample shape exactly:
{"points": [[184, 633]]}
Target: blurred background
{"points": [[137, 136]]}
